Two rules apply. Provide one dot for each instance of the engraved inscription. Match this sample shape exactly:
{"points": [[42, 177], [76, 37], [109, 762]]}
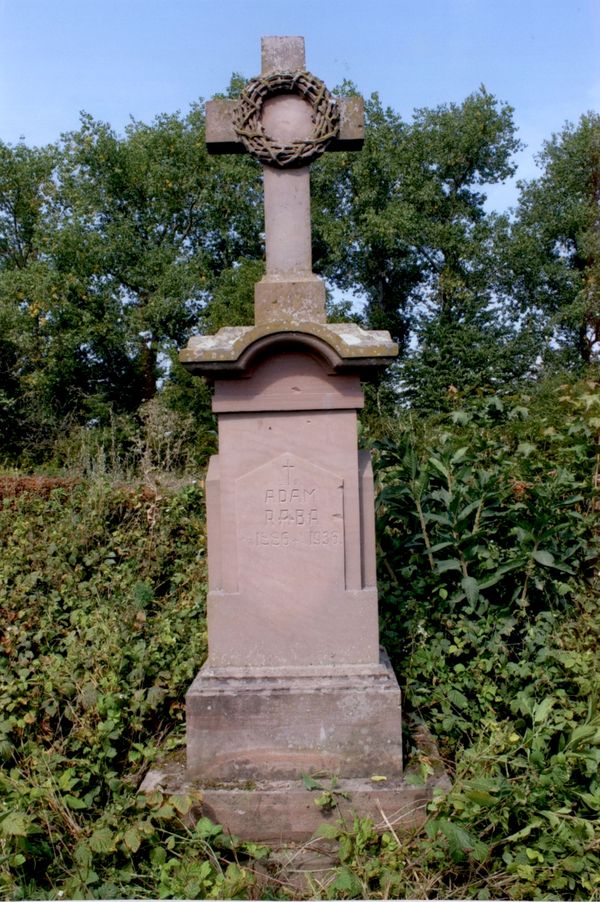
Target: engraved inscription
{"points": [[292, 511], [291, 514]]}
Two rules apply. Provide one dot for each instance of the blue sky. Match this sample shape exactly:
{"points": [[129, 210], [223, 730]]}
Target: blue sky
{"points": [[122, 58]]}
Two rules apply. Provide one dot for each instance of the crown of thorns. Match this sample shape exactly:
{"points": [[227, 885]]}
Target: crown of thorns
{"points": [[248, 111]]}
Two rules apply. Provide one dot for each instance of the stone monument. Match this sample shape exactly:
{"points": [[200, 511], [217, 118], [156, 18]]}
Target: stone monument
{"points": [[295, 680]]}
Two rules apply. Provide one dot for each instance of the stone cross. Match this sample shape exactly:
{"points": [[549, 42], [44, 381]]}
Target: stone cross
{"points": [[286, 118], [295, 681]]}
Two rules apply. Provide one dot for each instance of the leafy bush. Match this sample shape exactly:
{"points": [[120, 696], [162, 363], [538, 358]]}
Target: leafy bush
{"points": [[488, 519], [487, 554], [102, 601], [486, 531]]}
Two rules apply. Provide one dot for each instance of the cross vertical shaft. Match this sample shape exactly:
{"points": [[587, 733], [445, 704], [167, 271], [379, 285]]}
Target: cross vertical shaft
{"points": [[286, 191], [289, 284], [287, 222]]}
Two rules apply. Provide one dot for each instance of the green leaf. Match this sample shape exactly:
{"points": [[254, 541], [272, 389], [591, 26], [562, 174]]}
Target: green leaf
{"points": [[584, 732], [480, 797], [461, 417], [458, 699], [132, 839], [14, 824], [499, 573], [83, 854], [440, 466], [547, 559], [327, 831], [158, 855], [439, 547], [525, 449], [444, 566], [347, 882], [325, 801], [67, 780], [102, 840], [443, 519], [543, 557], [413, 779], [254, 850], [466, 511], [521, 834], [75, 803], [155, 695], [166, 811], [207, 829], [459, 841], [182, 803], [309, 783], [459, 455], [541, 711], [471, 588]]}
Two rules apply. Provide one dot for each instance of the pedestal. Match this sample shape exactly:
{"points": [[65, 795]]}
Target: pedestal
{"points": [[294, 681], [343, 721]]}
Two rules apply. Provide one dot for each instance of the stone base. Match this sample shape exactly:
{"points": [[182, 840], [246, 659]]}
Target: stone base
{"points": [[276, 724], [279, 812], [301, 297]]}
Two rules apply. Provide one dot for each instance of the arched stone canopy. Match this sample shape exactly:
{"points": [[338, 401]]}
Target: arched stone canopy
{"points": [[234, 351]]}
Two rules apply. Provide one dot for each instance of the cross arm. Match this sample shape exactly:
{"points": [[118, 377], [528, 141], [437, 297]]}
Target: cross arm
{"points": [[221, 137]]}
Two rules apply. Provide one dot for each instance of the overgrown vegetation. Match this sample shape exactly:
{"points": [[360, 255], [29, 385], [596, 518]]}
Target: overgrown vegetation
{"points": [[486, 534], [489, 609]]}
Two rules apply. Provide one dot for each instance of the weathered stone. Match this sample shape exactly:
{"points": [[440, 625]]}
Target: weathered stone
{"points": [[277, 299], [343, 721], [282, 54], [283, 811], [291, 500], [233, 349], [221, 136], [295, 681]]}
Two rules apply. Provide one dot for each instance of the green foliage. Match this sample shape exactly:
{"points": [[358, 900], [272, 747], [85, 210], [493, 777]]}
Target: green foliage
{"points": [[102, 599], [486, 533], [110, 249], [486, 539], [485, 523], [554, 251], [113, 248], [233, 298], [416, 241]]}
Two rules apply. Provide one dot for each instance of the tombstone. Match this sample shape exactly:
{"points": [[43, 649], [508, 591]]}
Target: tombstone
{"points": [[295, 681]]}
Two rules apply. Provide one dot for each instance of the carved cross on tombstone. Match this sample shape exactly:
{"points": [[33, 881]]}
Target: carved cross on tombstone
{"points": [[286, 118]]}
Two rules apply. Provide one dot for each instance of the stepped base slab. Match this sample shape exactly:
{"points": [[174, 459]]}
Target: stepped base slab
{"points": [[283, 811], [250, 723]]}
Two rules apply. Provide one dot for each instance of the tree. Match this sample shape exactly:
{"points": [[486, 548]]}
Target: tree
{"points": [[111, 248], [358, 243], [554, 252], [415, 239], [162, 219], [27, 188]]}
